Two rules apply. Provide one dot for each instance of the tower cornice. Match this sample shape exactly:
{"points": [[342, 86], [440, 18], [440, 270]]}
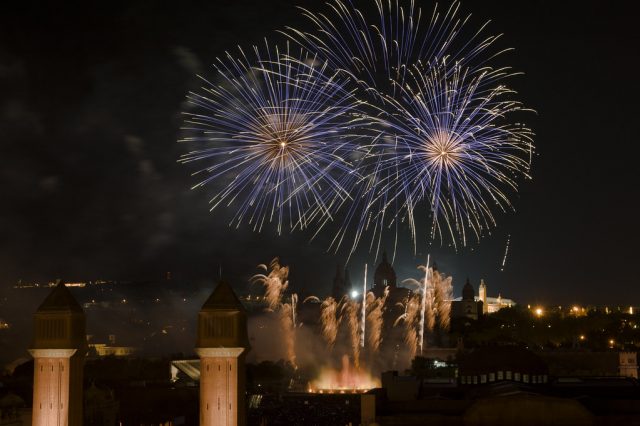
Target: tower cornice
{"points": [[219, 352], [52, 353]]}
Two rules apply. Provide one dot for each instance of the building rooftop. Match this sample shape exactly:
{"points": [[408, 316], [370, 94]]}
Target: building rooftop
{"points": [[501, 358], [60, 300], [223, 297]]}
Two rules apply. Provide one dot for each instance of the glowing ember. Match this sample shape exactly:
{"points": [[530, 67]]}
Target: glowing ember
{"points": [[347, 380]]}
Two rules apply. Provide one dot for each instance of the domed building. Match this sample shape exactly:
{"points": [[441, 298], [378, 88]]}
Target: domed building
{"points": [[468, 306], [384, 276], [341, 283]]}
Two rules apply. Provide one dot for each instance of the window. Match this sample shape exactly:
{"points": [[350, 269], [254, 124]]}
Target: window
{"points": [[219, 326]]}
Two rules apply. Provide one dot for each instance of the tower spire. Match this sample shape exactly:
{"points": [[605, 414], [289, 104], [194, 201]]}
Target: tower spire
{"points": [[222, 344], [58, 348]]}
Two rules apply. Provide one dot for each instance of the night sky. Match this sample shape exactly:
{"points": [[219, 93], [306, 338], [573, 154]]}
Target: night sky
{"points": [[90, 102]]}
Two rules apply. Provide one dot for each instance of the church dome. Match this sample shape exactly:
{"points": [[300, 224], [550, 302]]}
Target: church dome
{"points": [[468, 293]]}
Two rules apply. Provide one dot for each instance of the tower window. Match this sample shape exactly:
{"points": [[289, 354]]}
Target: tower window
{"points": [[219, 327]]}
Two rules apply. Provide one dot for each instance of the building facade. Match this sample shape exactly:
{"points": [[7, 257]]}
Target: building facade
{"points": [[489, 304]]}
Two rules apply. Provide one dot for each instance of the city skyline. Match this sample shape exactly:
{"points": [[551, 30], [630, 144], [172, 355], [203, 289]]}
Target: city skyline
{"points": [[319, 212], [94, 188]]}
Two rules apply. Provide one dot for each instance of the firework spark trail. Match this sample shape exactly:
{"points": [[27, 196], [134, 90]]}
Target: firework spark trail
{"points": [[426, 309], [423, 304], [294, 307], [443, 289], [330, 321], [506, 252], [349, 313], [435, 293], [275, 133], [412, 313], [375, 319], [287, 328], [363, 318], [275, 282]]}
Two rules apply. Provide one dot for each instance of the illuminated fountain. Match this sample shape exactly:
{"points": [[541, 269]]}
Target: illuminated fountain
{"points": [[345, 380], [352, 327]]}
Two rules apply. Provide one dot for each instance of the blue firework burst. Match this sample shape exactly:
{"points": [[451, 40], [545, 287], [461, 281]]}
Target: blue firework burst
{"points": [[274, 133]]}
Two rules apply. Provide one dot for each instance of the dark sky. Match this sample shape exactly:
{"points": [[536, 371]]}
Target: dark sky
{"points": [[90, 101]]}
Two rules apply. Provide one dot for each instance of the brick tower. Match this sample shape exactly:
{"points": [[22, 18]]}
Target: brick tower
{"points": [[58, 349], [222, 345]]}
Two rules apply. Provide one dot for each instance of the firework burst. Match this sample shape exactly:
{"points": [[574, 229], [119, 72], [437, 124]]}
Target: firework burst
{"points": [[375, 49], [455, 147], [450, 154], [274, 134], [443, 146], [383, 119]]}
